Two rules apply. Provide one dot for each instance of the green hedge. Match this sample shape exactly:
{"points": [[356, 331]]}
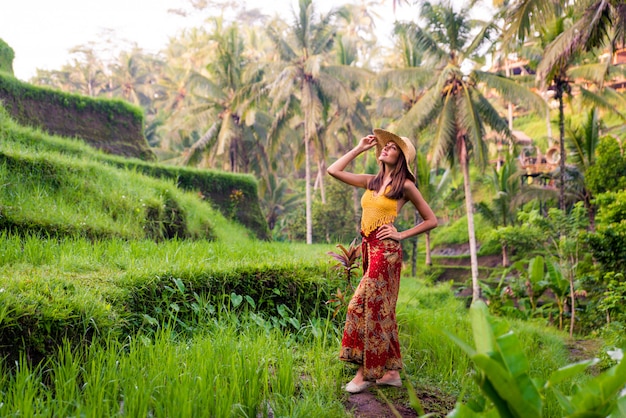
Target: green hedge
{"points": [[234, 195], [113, 126], [37, 316], [55, 196]]}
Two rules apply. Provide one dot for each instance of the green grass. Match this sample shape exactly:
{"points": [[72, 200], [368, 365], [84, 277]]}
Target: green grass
{"points": [[122, 295], [245, 364], [231, 368]]}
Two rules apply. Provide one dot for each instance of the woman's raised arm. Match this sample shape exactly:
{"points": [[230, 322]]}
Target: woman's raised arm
{"points": [[337, 168]]}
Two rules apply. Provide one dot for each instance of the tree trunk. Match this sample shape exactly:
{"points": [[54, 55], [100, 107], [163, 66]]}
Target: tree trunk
{"points": [[416, 219], [549, 126], [414, 257], [429, 261], [307, 179], [321, 169], [505, 256], [507, 72], [573, 307], [561, 148], [469, 208]]}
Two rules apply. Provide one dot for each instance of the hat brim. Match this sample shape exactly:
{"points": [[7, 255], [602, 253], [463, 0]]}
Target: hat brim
{"points": [[383, 137]]}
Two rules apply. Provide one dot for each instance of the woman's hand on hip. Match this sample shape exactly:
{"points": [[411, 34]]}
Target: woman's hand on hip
{"points": [[388, 231]]}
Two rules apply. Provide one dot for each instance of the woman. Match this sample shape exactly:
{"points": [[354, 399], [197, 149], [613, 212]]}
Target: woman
{"points": [[370, 336]]}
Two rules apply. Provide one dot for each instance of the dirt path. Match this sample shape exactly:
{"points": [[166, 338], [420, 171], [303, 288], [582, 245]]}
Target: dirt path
{"points": [[371, 403], [366, 405]]}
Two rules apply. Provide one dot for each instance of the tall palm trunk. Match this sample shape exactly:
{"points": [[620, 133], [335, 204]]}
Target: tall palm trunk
{"points": [[319, 180], [573, 304], [469, 208], [561, 146], [307, 177], [429, 260]]}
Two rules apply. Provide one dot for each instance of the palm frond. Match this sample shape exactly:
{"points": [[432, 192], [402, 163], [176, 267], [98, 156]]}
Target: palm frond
{"points": [[587, 32], [205, 87], [524, 13], [511, 90], [602, 100], [469, 120], [403, 77], [227, 132], [336, 91], [285, 51], [489, 115], [194, 153], [444, 143], [311, 103], [422, 113], [583, 140], [281, 87], [348, 74], [425, 43], [389, 107], [484, 35], [594, 72]]}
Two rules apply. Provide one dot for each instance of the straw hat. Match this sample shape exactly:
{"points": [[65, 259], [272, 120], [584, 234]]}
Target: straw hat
{"points": [[407, 148]]}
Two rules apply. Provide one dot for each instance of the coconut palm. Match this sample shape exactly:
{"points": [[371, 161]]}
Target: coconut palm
{"points": [[85, 75], [507, 197], [434, 187], [132, 79], [277, 198], [306, 85], [597, 23], [222, 101], [582, 142], [453, 100]]}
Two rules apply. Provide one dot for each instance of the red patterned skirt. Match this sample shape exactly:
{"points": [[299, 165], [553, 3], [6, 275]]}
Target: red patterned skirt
{"points": [[370, 336]]}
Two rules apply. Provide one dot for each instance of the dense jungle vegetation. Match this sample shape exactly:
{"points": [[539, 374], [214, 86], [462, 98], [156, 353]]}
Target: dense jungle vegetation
{"points": [[122, 294]]}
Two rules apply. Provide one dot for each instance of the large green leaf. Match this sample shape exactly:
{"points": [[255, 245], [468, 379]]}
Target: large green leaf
{"points": [[520, 394], [492, 394], [536, 269], [620, 409], [600, 394], [569, 371], [484, 338], [512, 354], [463, 411]]}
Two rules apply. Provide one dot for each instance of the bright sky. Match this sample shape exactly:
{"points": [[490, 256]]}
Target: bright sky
{"points": [[41, 32]]}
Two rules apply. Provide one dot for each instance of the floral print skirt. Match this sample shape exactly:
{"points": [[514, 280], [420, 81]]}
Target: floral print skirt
{"points": [[370, 336]]}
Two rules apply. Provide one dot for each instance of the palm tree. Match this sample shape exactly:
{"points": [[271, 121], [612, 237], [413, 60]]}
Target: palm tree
{"points": [[222, 100], [454, 102], [582, 143], [277, 198], [131, 78], [502, 209], [598, 23], [305, 84], [85, 75], [434, 187]]}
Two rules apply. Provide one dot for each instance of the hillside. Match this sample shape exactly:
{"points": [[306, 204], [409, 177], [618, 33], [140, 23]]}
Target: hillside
{"points": [[92, 244], [113, 126]]}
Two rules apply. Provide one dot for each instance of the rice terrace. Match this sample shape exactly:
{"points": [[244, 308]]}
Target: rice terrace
{"points": [[171, 244]]}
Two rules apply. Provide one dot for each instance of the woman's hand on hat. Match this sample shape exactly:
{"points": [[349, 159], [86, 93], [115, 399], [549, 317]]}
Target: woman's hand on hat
{"points": [[367, 142]]}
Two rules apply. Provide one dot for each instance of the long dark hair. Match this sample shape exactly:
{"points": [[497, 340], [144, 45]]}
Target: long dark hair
{"points": [[398, 176]]}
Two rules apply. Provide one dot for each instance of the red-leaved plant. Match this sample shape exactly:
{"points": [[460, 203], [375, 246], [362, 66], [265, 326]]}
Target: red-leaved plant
{"points": [[348, 261]]}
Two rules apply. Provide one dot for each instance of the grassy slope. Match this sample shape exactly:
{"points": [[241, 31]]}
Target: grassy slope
{"points": [[88, 248], [78, 287]]}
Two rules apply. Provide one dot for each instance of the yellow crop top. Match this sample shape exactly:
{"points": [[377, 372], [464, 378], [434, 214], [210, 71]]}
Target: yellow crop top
{"points": [[377, 211]]}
